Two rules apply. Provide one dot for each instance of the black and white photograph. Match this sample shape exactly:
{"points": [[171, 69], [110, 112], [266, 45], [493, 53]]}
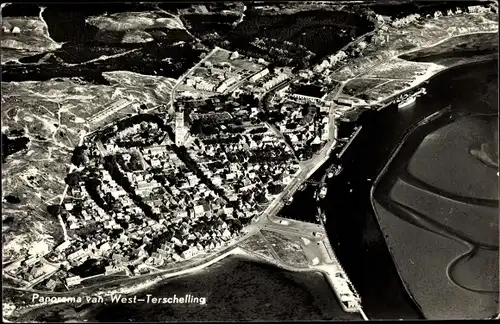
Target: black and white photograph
{"points": [[227, 161]]}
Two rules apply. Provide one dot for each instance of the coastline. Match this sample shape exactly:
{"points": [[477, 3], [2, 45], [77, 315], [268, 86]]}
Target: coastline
{"points": [[440, 69], [434, 116], [381, 174], [198, 265], [243, 253]]}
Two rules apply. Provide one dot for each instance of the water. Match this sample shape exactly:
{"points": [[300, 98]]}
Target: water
{"points": [[453, 200], [351, 224], [236, 289], [244, 290]]}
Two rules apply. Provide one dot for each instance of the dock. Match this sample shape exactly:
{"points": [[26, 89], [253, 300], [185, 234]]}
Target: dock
{"points": [[351, 139]]}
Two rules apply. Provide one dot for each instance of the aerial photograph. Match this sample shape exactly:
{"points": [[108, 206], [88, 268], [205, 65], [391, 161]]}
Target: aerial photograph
{"points": [[250, 161]]}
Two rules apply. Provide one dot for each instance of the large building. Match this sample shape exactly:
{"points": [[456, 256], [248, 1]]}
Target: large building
{"points": [[307, 92]]}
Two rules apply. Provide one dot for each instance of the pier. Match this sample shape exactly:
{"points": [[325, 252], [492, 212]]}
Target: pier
{"points": [[351, 139]]}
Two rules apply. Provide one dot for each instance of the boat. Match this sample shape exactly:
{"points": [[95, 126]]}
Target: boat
{"points": [[335, 171], [289, 201], [321, 217], [322, 192], [411, 98], [407, 102]]}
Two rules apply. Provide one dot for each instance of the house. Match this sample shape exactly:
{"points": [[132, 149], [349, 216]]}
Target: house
{"points": [[76, 255], [105, 247], [37, 272], [199, 210], [73, 281], [63, 246], [176, 241], [189, 253], [51, 284], [112, 269]]}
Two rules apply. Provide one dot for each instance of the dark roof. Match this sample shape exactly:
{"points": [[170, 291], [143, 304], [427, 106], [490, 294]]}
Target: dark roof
{"points": [[309, 90]]}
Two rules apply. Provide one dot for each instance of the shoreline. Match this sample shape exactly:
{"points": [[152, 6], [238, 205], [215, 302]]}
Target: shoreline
{"points": [[428, 120], [236, 250], [440, 69], [381, 174]]}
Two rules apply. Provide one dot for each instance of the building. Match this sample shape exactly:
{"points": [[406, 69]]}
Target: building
{"points": [[73, 281], [63, 246], [226, 84], [259, 75], [181, 129], [308, 93], [76, 255], [51, 284], [344, 102]]}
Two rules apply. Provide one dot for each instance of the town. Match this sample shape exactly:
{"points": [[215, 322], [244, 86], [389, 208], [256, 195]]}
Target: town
{"points": [[163, 187]]}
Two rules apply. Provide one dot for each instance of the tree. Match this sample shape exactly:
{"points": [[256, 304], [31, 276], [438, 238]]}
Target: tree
{"points": [[78, 155], [54, 210], [72, 179]]}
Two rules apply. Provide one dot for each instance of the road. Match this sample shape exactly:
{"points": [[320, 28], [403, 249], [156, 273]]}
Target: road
{"points": [[188, 72], [71, 169]]}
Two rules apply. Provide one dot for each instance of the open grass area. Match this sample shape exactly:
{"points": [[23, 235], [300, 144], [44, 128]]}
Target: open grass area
{"points": [[477, 44], [358, 86], [258, 245], [238, 64], [51, 115], [414, 36], [399, 69], [288, 248], [384, 90], [103, 279]]}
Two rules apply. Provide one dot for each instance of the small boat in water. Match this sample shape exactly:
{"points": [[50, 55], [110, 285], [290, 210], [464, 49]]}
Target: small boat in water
{"points": [[321, 217], [407, 102], [335, 171], [411, 98], [323, 191]]}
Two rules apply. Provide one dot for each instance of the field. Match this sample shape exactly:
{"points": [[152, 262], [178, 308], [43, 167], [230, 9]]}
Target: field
{"points": [[258, 245], [385, 90], [414, 36], [288, 249], [399, 69], [356, 87], [136, 27], [459, 46], [238, 64], [51, 115], [153, 58], [34, 38]]}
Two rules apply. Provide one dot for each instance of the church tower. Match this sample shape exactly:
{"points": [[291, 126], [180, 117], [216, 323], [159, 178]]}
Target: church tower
{"points": [[181, 129]]}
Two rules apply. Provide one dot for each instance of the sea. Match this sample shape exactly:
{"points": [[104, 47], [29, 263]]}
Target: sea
{"points": [[351, 224]]}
